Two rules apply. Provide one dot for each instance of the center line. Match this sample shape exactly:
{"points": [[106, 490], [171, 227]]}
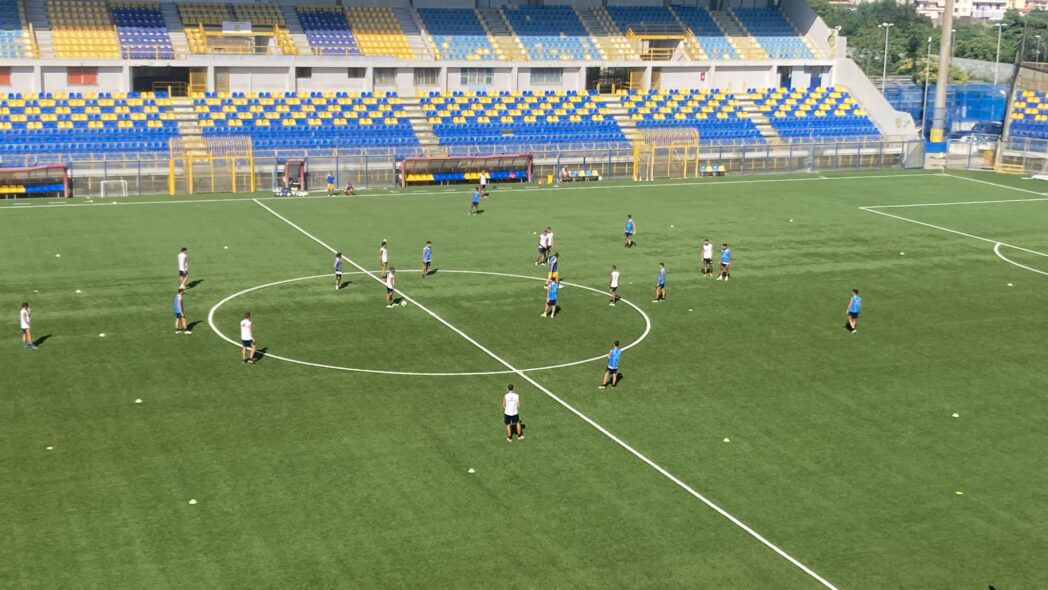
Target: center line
{"points": [[571, 409]]}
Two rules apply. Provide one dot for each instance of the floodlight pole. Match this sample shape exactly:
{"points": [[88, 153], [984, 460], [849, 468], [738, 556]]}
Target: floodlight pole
{"points": [[927, 76], [943, 80], [884, 73], [997, 60]]}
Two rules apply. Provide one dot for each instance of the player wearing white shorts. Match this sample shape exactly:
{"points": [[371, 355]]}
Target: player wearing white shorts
{"points": [[247, 340], [613, 285], [24, 320], [390, 286], [383, 258], [483, 184], [183, 267]]}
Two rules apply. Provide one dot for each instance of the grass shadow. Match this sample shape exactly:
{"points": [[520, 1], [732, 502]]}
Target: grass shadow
{"points": [[192, 284], [41, 339], [192, 325]]}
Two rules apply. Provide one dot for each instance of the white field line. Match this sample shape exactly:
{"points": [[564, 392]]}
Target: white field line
{"points": [[952, 231], [579, 414], [214, 328], [1013, 188], [954, 203], [695, 183], [997, 251]]}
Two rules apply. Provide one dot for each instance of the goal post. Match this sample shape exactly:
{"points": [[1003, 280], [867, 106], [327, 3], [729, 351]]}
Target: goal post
{"points": [[466, 169], [666, 152], [113, 188], [34, 181]]}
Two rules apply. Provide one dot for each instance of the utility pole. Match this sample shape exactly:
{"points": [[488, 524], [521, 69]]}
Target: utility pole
{"points": [[945, 50], [997, 60], [884, 73], [927, 76]]}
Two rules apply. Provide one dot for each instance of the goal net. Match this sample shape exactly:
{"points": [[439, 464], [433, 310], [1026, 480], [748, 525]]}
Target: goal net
{"points": [[466, 169], [666, 152], [113, 188], [34, 181]]}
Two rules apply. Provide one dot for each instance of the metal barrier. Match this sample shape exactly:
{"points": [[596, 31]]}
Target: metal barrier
{"points": [[148, 174]]}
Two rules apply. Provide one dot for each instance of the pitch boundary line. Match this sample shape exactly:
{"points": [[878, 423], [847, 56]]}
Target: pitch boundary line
{"points": [[577, 413], [214, 328], [997, 251], [954, 203], [697, 183], [987, 182]]}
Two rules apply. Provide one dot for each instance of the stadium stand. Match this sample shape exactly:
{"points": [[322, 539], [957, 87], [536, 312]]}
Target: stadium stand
{"points": [[327, 30], [85, 124], [15, 39], [82, 29], [774, 33], [652, 18], [197, 16], [142, 32], [378, 31], [552, 33], [715, 114], [519, 119], [457, 33], [709, 36], [1029, 118], [307, 120], [814, 114]]}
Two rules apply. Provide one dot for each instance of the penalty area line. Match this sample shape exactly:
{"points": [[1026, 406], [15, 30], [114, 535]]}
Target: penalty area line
{"points": [[709, 503]]}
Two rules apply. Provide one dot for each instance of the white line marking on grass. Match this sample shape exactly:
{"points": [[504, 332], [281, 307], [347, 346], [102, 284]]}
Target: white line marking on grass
{"points": [[952, 231], [954, 203], [579, 414], [695, 183], [997, 251], [214, 328], [1022, 190]]}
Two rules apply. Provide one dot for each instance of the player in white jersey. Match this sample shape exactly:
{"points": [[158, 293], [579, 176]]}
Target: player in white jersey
{"points": [[541, 259], [707, 259], [247, 339], [613, 285], [390, 286], [183, 268], [549, 242], [383, 258], [24, 320], [483, 183], [511, 414]]}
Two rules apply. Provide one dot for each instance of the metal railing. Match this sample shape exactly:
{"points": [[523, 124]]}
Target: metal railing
{"points": [[379, 167]]}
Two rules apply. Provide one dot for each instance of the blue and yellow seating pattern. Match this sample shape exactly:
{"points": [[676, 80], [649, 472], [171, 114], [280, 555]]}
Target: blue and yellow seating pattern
{"points": [[458, 34], [818, 113], [308, 120], [552, 33], [65, 124], [1029, 118], [520, 119], [14, 34], [716, 114]]}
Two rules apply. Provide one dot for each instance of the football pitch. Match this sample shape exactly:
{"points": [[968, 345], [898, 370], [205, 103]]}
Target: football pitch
{"points": [[752, 442]]}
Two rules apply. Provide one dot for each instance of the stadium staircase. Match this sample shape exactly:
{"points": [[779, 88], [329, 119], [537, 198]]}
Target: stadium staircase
{"points": [[175, 29], [427, 139], [815, 51], [501, 34], [692, 48], [745, 45], [294, 28], [36, 14], [760, 120], [610, 40], [409, 23]]}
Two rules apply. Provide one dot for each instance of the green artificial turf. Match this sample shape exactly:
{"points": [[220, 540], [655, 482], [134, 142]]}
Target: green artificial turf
{"points": [[843, 450]]}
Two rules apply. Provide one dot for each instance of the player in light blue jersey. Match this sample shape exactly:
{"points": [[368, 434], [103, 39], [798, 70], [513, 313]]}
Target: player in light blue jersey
{"points": [[552, 289], [338, 270], [660, 284], [631, 227], [180, 313], [427, 258], [611, 374], [725, 263], [475, 202], [854, 305]]}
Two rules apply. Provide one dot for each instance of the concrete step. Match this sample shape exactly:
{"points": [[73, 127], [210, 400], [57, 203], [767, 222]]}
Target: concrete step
{"points": [[175, 30], [294, 28], [408, 23], [36, 14]]}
